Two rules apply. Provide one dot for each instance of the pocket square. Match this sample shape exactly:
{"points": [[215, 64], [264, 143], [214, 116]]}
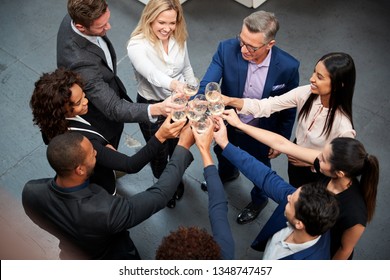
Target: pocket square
{"points": [[278, 87]]}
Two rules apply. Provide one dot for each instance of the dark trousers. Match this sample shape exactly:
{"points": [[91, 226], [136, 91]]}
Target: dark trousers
{"points": [[254, 148]]}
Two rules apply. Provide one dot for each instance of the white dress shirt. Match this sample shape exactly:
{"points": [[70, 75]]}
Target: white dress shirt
{"points": [[155, 70], [277, 248]]}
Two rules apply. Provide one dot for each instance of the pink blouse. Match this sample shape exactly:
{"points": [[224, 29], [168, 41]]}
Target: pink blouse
{"points": [[308, 130]]}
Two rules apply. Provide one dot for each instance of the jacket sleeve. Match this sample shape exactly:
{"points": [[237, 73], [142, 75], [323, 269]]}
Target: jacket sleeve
{"points": [[103, 96], [130, 211], [214, 71], [261, 175], [130, 164], [218, 210]]}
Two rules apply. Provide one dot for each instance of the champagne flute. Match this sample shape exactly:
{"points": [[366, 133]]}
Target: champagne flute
{"points": [[216, 108], [213, 92], [200, 102], [202, 124], [192, 113], [191, 86], [180, 113]]}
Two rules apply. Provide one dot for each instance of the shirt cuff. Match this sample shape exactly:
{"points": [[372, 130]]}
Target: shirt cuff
{"points": [[151, 118]]}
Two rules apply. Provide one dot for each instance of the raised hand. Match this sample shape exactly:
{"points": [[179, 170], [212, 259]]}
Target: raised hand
{"points": [[186, 137], [220, 135], [204, 139], [169, 130], [231, 117]]}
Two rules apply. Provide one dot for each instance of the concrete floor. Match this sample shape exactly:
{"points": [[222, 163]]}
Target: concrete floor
{"points": [[309, 29]]}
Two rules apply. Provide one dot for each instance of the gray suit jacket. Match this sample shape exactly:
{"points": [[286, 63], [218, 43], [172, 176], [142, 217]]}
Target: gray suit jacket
{"points": [[98, 221], [109, 104]]}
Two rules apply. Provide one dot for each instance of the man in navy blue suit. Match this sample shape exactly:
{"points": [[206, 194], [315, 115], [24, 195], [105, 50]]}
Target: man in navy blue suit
{"points": [[252, 66]]}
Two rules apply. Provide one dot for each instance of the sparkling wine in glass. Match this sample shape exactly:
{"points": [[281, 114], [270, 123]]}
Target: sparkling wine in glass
{"points": [[202, 124], [192, 113], [216, 108], [200, 103], [179, 114], [213, 96], [191, 86], [213, 92]]}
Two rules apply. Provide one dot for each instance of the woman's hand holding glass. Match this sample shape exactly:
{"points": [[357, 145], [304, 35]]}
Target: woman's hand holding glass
{"points": [[169, 129], [220, 134], [231, 117]]}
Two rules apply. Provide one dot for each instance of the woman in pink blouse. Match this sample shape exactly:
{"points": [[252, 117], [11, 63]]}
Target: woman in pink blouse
{"points": [[324, 106]]}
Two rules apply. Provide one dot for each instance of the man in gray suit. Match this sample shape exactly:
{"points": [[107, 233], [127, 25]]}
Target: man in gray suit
{"points": [[96, 220], [82, 46]]}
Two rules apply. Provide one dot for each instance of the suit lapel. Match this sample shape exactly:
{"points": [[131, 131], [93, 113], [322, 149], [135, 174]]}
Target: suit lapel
{"points": [[242, 74], [91, 47], [272, 73]]}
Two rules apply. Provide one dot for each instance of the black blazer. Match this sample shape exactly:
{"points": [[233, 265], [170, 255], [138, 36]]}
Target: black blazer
{"points": [[109, 105], [98, 220]]}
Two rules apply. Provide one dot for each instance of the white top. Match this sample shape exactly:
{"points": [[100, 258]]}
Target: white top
{"points": [[154, 75], [277, 248], [308, 130]]}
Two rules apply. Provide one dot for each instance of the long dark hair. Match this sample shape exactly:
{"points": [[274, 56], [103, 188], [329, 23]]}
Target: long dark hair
{"points": [[48, 102], [342, 73], [349, 156]]}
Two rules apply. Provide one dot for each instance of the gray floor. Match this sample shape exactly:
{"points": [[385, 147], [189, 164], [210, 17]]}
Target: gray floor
{"points": [[309, 29]]}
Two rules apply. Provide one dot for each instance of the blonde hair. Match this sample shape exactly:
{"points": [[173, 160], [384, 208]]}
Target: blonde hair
{"points": [[152, 11]]}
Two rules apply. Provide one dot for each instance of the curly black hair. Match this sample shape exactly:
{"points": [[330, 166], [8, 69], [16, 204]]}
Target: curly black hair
{"points": [[48, 102], [188, 243]]}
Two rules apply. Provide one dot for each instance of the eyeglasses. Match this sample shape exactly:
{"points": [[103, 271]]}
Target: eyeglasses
{"points": [[248, 47]]}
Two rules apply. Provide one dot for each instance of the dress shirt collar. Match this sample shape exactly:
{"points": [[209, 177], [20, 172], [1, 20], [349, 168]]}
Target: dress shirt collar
{"points": [[266, 62], [92, 39]]}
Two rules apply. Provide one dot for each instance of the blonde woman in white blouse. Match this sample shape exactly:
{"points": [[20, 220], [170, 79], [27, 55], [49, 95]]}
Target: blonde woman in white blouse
{"points": [[158, 53], [324, 109]]}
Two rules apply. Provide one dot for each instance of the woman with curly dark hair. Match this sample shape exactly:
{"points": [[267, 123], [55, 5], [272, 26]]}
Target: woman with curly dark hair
{"points": [[58, 103]]}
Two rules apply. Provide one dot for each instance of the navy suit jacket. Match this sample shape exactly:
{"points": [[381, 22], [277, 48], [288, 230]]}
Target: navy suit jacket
{"points": [[277, 189], [229, 67], [109, 105]]}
